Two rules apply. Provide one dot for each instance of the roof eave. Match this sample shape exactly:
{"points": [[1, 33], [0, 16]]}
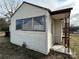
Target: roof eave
{"points": [[61, 11], [32, 5], [37, 6]]}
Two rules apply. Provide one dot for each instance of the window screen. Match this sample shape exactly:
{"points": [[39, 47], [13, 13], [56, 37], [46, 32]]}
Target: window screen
{"points": [[39, 23], [27, 24]]}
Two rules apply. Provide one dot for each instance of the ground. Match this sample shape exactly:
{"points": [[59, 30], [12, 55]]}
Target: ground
{"points": [[75, 44], [11, 51]]}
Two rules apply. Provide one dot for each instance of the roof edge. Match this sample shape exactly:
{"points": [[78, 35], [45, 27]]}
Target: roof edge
{"points": [[61, 11], [51, 12], [36, 5], [32, 5]]}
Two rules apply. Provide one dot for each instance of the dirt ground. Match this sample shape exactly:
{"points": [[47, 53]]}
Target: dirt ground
{"points": [[11, 51]]}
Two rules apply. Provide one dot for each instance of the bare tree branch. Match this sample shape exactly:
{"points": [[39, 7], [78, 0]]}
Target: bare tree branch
{"points": [[9, 6], [6, 6], [17, 4]]}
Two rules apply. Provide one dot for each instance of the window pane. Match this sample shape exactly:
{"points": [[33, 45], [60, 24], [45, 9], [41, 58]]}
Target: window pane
{"points": [[27, 25], [39, 23], [19, 24]]}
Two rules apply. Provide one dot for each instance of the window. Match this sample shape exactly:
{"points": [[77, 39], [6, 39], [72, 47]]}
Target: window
{"points": [[27, 24], [18, 24], [39, 23], [31, 24]]}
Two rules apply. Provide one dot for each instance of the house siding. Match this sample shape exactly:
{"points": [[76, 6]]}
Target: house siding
{"points": [[49, 34], [35, 40]]}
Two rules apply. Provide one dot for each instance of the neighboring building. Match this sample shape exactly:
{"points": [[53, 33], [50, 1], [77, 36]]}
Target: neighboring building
{"points": [[38, 27]]}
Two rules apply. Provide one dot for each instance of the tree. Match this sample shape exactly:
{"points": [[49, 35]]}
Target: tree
{"points": [[3, 25], [8, 7], [74, 28]]}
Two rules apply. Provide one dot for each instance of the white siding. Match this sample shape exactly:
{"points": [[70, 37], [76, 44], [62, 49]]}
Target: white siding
{"points": [[34, 40], [49, 33]]}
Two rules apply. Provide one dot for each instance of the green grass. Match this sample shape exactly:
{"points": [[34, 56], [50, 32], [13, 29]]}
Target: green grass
{"points": [[75, 44]]}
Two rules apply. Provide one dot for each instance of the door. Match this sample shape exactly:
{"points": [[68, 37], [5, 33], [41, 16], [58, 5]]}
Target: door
{"points": [[57, 32]]}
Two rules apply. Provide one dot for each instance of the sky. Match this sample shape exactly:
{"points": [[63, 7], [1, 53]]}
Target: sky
{"points": [[75, 14], [60, 4]]}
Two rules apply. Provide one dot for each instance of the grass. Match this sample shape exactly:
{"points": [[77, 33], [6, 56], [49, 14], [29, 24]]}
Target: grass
{"points": [[75, 44]]}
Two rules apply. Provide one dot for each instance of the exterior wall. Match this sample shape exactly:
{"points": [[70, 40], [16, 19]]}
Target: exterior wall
{"points": [[62, 26], [34, 40], [53, 31], [49, 32]]}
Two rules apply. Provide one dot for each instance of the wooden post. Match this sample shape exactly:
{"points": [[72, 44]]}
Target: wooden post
{"points": [[67, 32]]}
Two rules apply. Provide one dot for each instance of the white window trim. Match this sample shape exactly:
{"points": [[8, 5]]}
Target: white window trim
{"points": [[33, 25]]}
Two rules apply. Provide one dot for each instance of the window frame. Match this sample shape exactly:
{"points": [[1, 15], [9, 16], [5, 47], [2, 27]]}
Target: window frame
{"points": [[33, 24]]}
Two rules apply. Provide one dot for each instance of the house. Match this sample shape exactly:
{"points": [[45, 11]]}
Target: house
{"points": [[38, 27]]}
